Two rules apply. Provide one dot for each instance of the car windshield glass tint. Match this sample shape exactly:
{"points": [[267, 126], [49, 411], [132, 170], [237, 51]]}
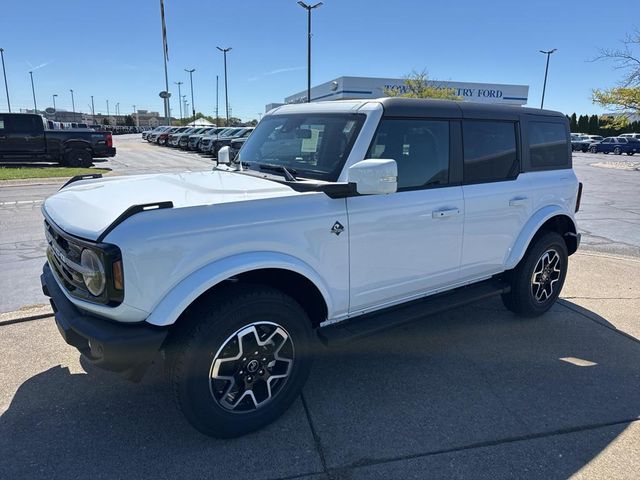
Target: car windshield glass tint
{"points": [[315, 145]]}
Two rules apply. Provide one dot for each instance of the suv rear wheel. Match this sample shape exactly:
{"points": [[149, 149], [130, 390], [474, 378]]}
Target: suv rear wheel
{"points": [[243, 362], [538, 279], [617, 151]]}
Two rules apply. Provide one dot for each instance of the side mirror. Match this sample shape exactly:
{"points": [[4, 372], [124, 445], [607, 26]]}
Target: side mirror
{"points": [[374, 176], [224, 156]]}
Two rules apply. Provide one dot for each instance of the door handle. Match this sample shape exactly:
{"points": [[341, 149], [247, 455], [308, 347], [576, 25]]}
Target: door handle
{"points": [[449, 212], [518, 201]]}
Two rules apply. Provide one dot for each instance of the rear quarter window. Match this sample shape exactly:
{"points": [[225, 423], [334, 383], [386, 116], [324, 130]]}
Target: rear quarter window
{"points": [[548, 145]]}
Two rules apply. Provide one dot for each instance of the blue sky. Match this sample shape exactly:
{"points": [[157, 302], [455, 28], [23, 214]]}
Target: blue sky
{"points": [[113, 49]]}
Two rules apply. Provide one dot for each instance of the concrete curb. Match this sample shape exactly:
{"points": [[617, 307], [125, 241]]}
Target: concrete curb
{"points": [[26, 314]]}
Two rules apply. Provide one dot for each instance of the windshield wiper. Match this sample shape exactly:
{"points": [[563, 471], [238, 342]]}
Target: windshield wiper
{"points": [[288, 174]]}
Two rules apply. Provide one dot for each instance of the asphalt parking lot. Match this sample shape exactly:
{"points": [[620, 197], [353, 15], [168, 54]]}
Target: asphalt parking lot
{"points": [[475, 393]]}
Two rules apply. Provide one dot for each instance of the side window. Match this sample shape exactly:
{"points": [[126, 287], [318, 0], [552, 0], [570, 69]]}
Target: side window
{"points": [[22, 124], [548, 145], [490, 153], [419, 147], [1, 122]]}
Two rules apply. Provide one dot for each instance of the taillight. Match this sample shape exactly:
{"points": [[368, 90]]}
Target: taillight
{"points": [[579, 196], [109, 139]]}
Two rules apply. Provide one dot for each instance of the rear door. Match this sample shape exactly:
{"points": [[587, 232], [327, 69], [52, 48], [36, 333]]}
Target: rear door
{"points": [[22, 135], [496, 201]]}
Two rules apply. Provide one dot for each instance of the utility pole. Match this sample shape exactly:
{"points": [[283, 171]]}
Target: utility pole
{"points": [[73, 106], [226, 85], [33, 90], [4, 73], [308, 8], [193, 105], [180, 99], [546, 70]]}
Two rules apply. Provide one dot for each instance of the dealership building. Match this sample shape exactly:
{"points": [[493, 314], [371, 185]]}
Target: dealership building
{"points": [[344, 88]]}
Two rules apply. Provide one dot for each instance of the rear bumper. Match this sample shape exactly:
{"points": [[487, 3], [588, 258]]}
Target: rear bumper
{"points": [[127, 349]]}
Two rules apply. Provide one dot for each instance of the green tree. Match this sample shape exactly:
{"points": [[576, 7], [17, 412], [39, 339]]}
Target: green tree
{"points": [[417, 85], [129, 122], [573, 122], [624, 98], [105, 121], [583, 123], [594, 127]]}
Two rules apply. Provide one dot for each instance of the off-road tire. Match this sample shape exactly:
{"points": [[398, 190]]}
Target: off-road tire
{"points": [[522, 298], [193, 354], [77, 157]]}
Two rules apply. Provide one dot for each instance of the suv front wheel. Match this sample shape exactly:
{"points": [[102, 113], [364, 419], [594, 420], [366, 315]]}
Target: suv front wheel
{"points": [[538, 279], [243, 361]]}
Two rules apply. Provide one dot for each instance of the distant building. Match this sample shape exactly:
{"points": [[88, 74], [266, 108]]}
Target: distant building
{"points": [[345, 88]]}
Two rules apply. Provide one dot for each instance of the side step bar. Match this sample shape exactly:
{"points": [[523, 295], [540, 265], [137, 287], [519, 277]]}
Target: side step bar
{"points": [[381, 320]]}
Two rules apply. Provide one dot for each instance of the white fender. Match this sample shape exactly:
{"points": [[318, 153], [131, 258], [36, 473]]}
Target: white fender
{"points": [[167, 311], [531, 227]]}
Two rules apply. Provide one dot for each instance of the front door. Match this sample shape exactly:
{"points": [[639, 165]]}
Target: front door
{"points": [[408, 243]]}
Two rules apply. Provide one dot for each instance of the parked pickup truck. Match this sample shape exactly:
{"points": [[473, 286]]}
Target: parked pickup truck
{"points": [[336, 220], [24, 137]]}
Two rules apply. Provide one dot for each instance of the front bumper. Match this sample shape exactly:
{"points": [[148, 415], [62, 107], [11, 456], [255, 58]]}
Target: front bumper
{"points": [[127, 349]]}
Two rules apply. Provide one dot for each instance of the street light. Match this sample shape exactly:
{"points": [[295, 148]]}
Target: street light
{"points": [[193, 105], [308, 8], [54, 101], [108, 119], [93, 111], [180, 99], [135, 112], [73, 106], [546, 70], [4, 72], [226, 90], [33, 90]]}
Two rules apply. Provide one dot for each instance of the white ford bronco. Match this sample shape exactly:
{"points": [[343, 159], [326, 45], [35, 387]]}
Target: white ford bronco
{"points": [[336, 219]]}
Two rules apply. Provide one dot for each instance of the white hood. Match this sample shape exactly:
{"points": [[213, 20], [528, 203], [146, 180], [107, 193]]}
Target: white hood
{"points": [[87, 208]]}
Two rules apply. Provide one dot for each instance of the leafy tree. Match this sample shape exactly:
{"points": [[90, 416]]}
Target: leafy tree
{"points": [[624, 98], [583, 123], [129, 122], [105, 121], [594, 127], [573, 122], [417, 85]]}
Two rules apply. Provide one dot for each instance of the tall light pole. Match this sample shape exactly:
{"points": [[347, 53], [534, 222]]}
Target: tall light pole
{"points": [[226, 85], [135, 112], [4, 72], [33, 90], [180, 99], [308, 8], [54, 100], [217, 90], [193, 105], [165, 56], [73, 105], [93, 111], [546, 70], [108, 119]]}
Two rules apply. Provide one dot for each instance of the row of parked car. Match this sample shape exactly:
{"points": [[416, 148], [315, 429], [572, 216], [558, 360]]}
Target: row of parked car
{"points": [[115, 129], [207, 140], [628, 143]]}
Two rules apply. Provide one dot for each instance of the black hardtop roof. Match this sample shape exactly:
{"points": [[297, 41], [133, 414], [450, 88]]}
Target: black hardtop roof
{"points": [[418, 107]]}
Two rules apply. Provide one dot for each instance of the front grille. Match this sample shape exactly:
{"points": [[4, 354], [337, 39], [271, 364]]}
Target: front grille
{"points": [[64, 258], [205, 142]]}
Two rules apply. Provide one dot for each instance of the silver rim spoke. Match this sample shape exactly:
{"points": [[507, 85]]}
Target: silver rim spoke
{"points": [[251, 367], [545, 276]]}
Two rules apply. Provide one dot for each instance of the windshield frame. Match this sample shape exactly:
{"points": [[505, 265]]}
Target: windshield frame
{"points": [[300, 171]]}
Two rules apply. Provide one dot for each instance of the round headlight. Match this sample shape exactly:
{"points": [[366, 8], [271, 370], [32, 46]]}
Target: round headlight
{"points": [[94, 277]]}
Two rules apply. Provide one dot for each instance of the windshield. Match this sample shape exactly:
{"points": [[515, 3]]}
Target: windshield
{"points": [[313, 145]]}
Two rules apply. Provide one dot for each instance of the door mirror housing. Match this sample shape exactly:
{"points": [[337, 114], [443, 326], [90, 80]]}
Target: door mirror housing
{"points": [[374, 176], [224, 156]]}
